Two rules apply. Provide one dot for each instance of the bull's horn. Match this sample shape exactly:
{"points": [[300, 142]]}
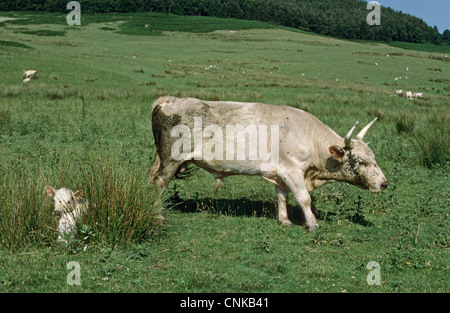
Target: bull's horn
{"points": [[364, 130], [348, 137]]}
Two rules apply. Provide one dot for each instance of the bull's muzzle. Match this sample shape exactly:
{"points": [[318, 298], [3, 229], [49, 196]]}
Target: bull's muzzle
{"points": [[378, 187]]}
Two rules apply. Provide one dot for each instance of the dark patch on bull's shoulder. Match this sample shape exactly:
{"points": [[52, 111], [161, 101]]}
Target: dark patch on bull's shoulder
{"points": [[162, 124], [159, 119]]}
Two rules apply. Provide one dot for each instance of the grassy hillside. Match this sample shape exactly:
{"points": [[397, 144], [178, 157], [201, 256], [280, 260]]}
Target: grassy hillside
{"points": [[340, 19], [85, 123]]}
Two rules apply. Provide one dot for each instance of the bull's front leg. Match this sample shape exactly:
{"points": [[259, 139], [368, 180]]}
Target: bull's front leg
{"points": [[283, 195], [296, 183]]}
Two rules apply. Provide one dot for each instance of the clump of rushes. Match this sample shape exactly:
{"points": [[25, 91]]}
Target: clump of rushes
{"points": [[22, 218], [432, 141], [123, 204]]}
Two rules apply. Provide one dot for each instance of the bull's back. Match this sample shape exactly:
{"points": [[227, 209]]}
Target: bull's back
{"points": [[183, 110], [298, 130]]}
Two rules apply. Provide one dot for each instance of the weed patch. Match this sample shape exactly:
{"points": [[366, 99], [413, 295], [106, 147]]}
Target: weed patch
{"points": [[6, 43], [43, 32]]}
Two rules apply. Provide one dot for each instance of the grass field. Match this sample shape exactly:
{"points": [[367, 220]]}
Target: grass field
{"points": [[85, 123]]}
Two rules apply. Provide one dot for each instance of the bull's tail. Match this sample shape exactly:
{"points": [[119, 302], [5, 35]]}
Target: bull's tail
{"points": [[153, 171]]}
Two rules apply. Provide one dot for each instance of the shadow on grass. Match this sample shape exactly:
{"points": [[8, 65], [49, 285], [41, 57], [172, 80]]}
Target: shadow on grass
{"points": [[235, 207], [252, 208]]}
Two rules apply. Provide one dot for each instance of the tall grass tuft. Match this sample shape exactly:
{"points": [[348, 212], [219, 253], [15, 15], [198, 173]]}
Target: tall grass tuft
{"points": [[23, 219], [5, 117], [123, 205], [405, 123], [431, 141]]}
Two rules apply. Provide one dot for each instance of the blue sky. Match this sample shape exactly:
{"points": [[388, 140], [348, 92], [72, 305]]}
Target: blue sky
{"points": [[433, 12]]}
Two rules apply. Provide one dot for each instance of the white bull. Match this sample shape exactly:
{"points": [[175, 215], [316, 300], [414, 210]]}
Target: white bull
{"points": [[304, 153]]}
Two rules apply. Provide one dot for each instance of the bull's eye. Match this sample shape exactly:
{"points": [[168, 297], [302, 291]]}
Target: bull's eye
{"points": [[362, 163]]}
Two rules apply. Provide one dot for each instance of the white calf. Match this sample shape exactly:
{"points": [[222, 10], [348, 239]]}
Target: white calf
{"points": [[399, 93], [409, 95], [418, 95], [68, 209]]}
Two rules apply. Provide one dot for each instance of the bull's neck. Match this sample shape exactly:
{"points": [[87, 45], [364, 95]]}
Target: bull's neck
{"points": [[323, 148], [325, 169]]}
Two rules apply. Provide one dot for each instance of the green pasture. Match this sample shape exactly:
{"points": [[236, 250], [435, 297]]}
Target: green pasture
{"points": [[85, 123]]}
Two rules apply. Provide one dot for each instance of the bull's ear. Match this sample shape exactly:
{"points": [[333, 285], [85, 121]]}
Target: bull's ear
{"points": [[337, 153], [78, 194], [50, 191]]}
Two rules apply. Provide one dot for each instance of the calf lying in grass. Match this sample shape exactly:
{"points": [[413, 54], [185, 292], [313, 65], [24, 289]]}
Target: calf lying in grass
{"points": [[68, 208]]}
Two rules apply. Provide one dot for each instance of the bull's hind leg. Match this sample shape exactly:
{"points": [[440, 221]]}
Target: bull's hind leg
{"points": [[165, 173]]}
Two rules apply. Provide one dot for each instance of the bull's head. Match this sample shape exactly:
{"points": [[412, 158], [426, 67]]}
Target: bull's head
{"points": [[356, 162]]}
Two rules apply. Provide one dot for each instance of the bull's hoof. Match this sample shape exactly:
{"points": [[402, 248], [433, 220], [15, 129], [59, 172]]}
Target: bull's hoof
{"points": [[285, 222], [312, 228]]}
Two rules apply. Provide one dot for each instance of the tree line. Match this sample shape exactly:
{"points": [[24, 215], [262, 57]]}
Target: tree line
{"points": [[342, 19]]}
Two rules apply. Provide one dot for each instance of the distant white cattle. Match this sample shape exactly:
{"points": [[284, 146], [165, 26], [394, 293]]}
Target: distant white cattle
{"points": [[409, 95], [29, 73], [68, 208], [399, 93], [26, 80], [418, 95]]}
